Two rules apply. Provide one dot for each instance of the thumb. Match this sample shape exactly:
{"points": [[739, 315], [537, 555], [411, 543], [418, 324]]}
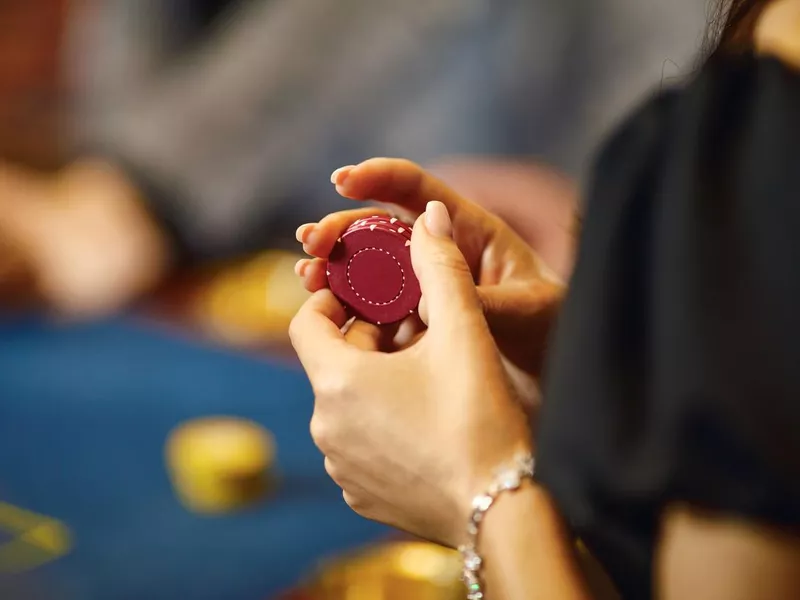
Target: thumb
{"points": [[445, 278]]}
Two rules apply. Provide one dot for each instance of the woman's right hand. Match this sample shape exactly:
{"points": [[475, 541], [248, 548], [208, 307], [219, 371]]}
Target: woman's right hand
{"points": [[519, 294], [413, 455]]}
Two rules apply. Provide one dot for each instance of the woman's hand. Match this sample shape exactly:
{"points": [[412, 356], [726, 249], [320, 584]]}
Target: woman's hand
{"points": [[520, 296], [411, 436], [536, 201]]}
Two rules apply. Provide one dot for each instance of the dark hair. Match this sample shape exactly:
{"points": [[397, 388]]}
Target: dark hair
{"points": [[733, 25]]}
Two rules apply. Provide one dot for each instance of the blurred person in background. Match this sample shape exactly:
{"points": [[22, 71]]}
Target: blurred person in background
{"points": [[198, 130]]}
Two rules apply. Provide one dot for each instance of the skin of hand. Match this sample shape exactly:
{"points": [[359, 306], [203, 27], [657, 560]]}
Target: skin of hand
{"points": [[520, 295], [536, 201], [78, 243], [374, 409]]}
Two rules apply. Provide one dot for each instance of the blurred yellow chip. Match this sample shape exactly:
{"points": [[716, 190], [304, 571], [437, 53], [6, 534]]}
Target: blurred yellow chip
{"points": [[219, 464], [252, 302], [391, 571]]}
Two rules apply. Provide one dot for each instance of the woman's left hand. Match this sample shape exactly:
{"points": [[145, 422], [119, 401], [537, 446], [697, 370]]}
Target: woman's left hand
{"points": [[520, 296], [413, 435]]}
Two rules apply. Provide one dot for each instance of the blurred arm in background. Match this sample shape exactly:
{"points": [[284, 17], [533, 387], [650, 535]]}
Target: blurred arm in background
{"points": [[208, 128]]}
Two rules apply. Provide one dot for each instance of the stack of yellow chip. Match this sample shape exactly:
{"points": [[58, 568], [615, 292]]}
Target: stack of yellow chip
{"points": [[219, 464], [393, 571], [252, 302]]}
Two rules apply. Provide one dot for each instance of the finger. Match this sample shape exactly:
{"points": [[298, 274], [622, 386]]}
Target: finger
{"points": [[529, 307], [359, 333], [330, 469], [422, 310], [301, 266], [351, 491], [399, 182], [451, 299], [366, 336], [316, 333], [363, 335], [318, 239], [409, 332], [509, 304], [313, 272]]}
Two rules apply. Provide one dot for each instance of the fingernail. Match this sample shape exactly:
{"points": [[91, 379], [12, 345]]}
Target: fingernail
{"points": [[339, 176], [437, 220], [300, 267], [302, 232]]}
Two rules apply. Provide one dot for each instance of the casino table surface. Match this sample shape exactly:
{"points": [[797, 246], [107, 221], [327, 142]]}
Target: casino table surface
{"points": [[84, 414]]}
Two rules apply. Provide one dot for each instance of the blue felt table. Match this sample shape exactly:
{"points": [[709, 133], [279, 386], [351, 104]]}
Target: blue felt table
{"points": [[84, 414]]}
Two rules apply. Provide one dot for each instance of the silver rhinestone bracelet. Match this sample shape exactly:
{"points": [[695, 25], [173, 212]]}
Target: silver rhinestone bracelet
{"points": [[507, 478]]}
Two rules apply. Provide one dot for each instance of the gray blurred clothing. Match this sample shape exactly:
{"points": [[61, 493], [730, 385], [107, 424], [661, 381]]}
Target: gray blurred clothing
{"points": [[238, 114]]}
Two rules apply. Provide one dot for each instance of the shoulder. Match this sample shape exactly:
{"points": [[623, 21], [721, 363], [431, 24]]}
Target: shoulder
{"points": [[778, 31]]}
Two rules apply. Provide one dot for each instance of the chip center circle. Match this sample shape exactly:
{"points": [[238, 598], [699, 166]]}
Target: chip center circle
{"points": [[376, 276]]}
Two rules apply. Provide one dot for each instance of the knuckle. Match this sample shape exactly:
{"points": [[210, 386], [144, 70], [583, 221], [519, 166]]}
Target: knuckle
{"points": [[356, 503], [341, 382], [295, 329], [484, 300], [451, 259], [407, 178], [331, 387], [495, 223], [405, 163], [321, 433], [330, 469]]}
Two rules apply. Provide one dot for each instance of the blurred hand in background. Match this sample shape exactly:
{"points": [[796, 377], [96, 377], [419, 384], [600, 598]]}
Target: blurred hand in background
{"points": [[78, 244]]}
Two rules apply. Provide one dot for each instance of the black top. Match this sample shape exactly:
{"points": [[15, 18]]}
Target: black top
{"points": [[675, 374]]}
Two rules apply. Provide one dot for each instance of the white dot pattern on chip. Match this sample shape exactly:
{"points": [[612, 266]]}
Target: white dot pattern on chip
{"points": [[402, 273]]}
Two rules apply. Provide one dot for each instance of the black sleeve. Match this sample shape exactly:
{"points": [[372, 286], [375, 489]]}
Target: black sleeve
{"points": [[675, 374], [725, 305]]}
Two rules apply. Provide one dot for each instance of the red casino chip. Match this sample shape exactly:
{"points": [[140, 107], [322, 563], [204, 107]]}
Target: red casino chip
{"points": [[370, 271], [382, 223]]}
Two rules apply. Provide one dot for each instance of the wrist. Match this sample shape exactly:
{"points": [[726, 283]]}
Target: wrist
{"points": [[530, 503], [508, 480], [528, 549]]}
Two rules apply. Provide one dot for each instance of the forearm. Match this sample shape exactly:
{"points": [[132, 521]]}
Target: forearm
{"points": [[528, 551]]}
